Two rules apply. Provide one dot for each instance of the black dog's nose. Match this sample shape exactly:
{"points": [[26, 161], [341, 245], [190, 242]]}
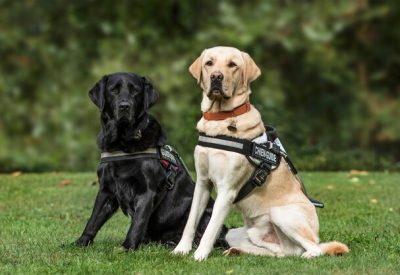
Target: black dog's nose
{"points": [[217, 76], [124, 106]]}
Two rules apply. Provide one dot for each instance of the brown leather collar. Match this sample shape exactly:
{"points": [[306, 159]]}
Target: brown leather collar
{"points": [[240, 110]]}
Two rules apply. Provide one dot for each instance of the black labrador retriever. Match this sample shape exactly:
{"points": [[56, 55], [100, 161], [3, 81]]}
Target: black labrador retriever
{"points": [[138, 185]]}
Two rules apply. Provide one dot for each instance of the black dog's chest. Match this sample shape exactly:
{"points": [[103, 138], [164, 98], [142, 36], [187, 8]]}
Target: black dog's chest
{"points": [[130, 178]]}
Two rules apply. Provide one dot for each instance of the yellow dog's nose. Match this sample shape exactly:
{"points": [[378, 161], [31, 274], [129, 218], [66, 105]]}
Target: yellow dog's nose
{"points": [[217, 76]]}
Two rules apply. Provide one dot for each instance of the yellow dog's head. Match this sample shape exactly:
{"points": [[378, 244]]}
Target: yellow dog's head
{"points": [[223, 72]]}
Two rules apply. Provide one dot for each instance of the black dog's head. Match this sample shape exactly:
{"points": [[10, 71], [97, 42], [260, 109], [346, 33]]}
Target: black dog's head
{"points": [[123, 97]]}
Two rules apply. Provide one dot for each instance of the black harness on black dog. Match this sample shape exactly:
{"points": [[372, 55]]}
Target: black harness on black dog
{"points": [[168, 158], [264, 156]]}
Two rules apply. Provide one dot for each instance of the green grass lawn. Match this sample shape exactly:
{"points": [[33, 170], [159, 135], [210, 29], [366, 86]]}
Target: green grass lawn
{"points": [[42, 214]]}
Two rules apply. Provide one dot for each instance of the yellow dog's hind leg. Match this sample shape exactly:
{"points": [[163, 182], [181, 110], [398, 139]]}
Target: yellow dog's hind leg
{"points": [[238, 240], [295, 224]]}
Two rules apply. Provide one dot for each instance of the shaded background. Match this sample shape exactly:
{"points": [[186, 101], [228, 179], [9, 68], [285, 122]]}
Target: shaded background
{"points": [[330, 78]]}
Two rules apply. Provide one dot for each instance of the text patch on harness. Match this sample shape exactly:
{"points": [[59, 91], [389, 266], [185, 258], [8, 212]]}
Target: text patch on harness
{"points": [[263, 153]]}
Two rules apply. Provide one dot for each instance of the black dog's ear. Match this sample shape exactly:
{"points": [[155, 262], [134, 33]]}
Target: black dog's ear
{"points": [[97, 93], [150, 94]]}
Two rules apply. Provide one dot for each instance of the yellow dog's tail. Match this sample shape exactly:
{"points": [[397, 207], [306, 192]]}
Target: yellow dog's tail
{"points": [[334, 248]]}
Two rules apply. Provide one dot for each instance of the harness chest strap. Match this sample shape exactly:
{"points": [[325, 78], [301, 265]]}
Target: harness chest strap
{"points": [[267, 152], [120, 155]]}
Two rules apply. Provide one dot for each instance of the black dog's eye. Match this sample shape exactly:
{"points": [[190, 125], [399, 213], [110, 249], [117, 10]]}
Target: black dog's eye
{"points": [[133, 90], [209, 63], [232, 64], [115, 91]]}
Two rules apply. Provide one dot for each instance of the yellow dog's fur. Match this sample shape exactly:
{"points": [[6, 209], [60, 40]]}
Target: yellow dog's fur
{"points": [[278, 218]]}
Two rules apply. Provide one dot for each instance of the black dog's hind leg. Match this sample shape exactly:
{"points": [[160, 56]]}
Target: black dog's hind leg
{"points": [[138, 230], [104, 207], [205, 219]]}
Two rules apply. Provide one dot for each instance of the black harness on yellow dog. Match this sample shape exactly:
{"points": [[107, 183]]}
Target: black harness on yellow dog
{"points": [[265, 156]]}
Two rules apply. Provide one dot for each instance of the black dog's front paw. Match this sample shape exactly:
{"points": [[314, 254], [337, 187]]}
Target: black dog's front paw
{"points": [[84, 241], [128, 245]]}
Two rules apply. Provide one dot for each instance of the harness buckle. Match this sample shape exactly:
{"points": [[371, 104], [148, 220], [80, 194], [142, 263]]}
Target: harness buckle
{"points": [[171, 175], [261, 173]]}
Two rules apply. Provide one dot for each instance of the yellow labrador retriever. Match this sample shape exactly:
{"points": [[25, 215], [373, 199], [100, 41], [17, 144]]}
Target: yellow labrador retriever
{"points": [[279, 219]]}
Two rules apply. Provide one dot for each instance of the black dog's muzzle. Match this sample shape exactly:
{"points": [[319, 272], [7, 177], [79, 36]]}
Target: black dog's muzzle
{"points": [[124, 107], [124, 112]]}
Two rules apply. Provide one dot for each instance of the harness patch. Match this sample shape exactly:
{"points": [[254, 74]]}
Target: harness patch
{"points": [[167, 155], [263, 153]]}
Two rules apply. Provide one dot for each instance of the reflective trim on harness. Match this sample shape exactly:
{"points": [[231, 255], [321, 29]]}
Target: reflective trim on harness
{"points": [[122, 153], [223, 142]]}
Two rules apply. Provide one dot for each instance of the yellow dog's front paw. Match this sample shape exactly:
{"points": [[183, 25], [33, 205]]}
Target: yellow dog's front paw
{"points": [[201, 254], [182, 248]]}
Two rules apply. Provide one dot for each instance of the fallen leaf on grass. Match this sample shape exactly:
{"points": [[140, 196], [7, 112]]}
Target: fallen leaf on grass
{"points": [[354, 180], [229, 271], [65, 182], [66, 217], [16, 174], [374, 201], [119, 249], [329, 187], [354, 173]]}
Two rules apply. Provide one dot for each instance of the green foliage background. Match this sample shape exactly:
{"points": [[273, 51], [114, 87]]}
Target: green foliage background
{"points": [[330, 74]]}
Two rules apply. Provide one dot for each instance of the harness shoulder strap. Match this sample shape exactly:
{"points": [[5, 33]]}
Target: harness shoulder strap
{"points": [[174, 164], [257, 179]]}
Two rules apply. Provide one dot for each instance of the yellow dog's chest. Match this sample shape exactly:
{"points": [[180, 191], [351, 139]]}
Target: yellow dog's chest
{"points": [[222, 167]]}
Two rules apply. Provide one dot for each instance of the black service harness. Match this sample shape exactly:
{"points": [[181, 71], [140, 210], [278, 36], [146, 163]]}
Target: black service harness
{"points": [[265, 156], [168, 157]]}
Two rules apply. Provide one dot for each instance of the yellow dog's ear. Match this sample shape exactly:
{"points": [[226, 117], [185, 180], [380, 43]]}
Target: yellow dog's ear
{"points": [[195, 68], [250, 70]]}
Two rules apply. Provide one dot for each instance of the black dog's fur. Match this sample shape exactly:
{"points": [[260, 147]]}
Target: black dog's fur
{"points": [[135, 185]]}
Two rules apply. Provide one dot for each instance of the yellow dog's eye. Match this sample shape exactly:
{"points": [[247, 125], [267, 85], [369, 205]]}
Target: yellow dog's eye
{"points": [[232, 64], [209, 63]]}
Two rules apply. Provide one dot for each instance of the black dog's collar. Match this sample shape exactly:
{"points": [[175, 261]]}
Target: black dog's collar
{"points": [[142, 125]]}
